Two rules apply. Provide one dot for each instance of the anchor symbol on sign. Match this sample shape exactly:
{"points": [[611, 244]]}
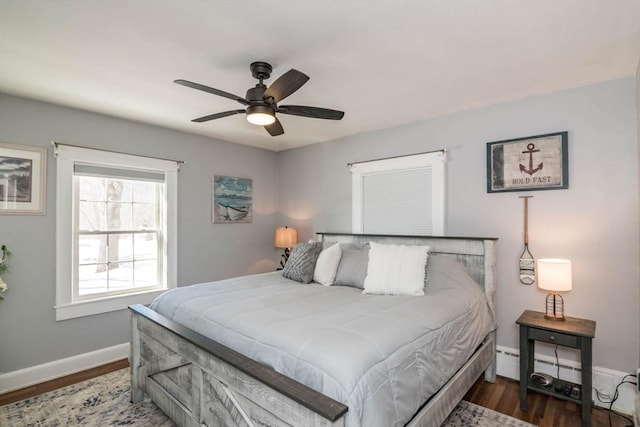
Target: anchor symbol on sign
{"points": [[530, 151]]}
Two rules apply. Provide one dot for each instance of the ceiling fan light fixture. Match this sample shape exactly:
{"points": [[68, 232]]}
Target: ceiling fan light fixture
{"points": [[260, 115]]}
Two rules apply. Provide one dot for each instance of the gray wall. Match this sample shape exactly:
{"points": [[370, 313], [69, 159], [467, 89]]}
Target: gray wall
{"points": [[29, 334], [594, 222]]}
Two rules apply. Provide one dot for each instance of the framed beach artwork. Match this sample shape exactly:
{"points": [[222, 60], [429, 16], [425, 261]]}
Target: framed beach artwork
{"points": [[538, 162], [23, 171], [232, 200]]}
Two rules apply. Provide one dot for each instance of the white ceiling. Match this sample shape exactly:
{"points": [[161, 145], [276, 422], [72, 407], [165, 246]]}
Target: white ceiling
{"points": [[385, 63]]}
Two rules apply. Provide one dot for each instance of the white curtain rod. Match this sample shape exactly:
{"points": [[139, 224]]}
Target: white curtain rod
{"points": [[179, 162], [442, 150]]}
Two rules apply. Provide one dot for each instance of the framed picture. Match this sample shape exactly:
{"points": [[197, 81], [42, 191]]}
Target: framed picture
{"points": [[23, 172], [232, 200], [524, 164]]}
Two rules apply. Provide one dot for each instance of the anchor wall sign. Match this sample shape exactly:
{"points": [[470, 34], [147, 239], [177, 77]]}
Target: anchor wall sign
{"points": [[533, 163]]}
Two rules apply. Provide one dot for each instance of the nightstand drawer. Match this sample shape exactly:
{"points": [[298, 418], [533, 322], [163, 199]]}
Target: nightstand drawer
{"points": [[553, 337]]}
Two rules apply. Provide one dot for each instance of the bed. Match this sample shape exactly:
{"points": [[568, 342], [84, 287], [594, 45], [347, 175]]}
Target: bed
{"points": [[229, 367]]}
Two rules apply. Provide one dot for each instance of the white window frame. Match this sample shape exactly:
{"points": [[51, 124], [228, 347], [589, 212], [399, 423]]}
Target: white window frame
{"points": [[435, 161], [66, 307]]}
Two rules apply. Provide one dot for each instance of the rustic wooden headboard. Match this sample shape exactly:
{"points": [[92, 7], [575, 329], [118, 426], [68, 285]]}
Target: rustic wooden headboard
{"points": [[477, 254]]}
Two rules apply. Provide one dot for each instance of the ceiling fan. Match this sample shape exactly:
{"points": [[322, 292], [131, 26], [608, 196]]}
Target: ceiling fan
{"points": [[262, 102]]}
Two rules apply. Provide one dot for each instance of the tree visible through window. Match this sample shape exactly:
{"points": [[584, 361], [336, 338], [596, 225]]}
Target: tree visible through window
{"points": [[118, 234], [116, 230]]}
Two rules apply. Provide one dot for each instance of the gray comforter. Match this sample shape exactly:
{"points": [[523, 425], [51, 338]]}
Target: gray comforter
{"points": [[382, 356]]}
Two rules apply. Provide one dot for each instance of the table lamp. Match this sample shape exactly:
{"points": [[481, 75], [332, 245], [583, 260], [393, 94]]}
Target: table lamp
{"points": [[285, 238], [554, 275]]}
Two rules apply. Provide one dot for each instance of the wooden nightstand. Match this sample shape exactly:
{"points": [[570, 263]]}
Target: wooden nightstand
{"points": [[572, 332]]}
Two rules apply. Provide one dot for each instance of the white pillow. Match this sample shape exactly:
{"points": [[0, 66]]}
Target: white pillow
{"points": [[396, 269], [327, 265]]}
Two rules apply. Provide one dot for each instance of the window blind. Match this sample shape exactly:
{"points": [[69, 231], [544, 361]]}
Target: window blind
{"points": [[398, 202], [85, 169], [400, 195]]}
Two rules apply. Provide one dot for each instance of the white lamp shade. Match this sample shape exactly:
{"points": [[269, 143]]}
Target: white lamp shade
{"points": [[554, 274], [285, 237]]}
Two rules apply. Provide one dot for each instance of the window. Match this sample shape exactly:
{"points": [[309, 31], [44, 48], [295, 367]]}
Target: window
{"points": [[400, 195], [116, 230]]}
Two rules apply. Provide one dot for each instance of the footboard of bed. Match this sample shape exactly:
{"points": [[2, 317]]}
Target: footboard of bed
{"points": [[197, 381]]}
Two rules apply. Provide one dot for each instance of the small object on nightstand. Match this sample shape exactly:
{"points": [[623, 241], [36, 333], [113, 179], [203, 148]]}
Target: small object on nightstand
{"points": [[575, 392], [542, 379], [554, 275]]}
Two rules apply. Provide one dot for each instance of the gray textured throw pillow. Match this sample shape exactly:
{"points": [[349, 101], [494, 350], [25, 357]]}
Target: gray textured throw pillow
{"points": [[302, 262], [352, 269]]}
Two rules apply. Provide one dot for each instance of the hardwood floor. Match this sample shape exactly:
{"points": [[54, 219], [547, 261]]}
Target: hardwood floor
{"points": [[27, 392], [502, 396], [545, 411]]}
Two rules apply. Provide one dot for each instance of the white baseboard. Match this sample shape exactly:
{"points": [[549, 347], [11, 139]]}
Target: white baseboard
{"points": [[604, 380], [58, 368]]}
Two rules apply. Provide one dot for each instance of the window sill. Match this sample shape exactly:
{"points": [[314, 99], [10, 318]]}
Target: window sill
{"points": [[105, 305]]}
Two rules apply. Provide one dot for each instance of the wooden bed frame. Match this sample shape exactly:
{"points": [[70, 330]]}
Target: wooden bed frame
{"points": [[199, 382]]}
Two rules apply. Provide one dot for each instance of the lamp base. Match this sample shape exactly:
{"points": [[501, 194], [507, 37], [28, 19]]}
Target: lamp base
{"points": [[555, 307], [285, 255]]}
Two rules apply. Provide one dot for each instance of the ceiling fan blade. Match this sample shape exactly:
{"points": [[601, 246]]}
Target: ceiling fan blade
{"points": [[217, 116], [275, 128], [214, 91], [312, 112], [286, 84]]}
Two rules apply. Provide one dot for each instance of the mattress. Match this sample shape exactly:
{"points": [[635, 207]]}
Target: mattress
{"points": [[382, 356]]}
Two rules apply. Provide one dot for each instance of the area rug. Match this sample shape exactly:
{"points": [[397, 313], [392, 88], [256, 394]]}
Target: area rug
{"points": [[469, 414], [104, 401]]}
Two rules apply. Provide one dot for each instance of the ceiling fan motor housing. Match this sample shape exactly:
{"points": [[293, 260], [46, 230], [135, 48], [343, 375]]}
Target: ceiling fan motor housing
{"points": [[256, 94]]}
